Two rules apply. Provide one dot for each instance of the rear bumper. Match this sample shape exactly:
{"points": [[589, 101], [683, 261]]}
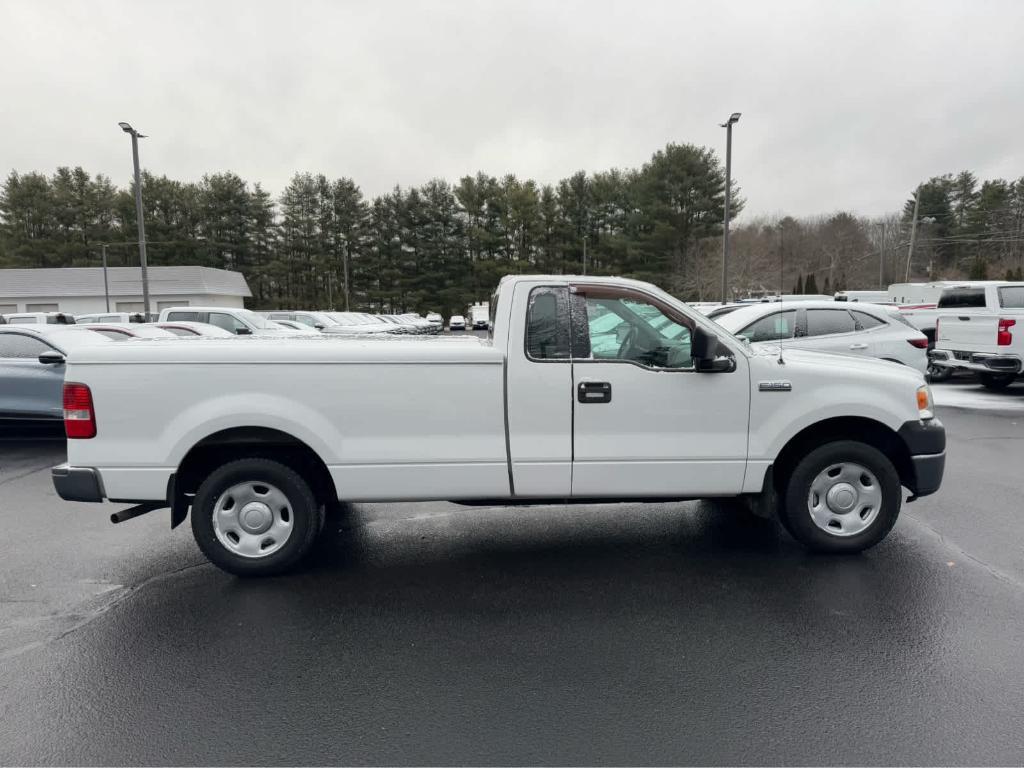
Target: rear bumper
{"points": [[981, 362], [926, 443], [77, 483]]}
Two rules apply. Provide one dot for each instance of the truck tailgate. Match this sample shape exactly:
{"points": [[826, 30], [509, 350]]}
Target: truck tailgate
{"points": [[967, 332]]}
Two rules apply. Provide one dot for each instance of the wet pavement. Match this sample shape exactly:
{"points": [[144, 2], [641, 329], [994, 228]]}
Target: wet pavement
{"points": [[435, 633]]}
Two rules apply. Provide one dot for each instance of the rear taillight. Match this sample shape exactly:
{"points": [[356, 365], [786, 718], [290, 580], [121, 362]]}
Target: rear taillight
{"points": [[79, 417], [920, 343], [1004, 337]]}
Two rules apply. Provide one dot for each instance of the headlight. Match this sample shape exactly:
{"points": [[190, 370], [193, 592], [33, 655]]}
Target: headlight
{"points": [[924, 403]]}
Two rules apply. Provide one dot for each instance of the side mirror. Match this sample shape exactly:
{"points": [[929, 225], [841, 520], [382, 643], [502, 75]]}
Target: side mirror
{"points": [[318, 326], [244, 331], [704, 349], [51, 357]]}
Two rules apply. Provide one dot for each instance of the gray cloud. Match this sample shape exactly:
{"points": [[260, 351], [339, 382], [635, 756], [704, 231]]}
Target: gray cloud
{"points": [[845, 106]]}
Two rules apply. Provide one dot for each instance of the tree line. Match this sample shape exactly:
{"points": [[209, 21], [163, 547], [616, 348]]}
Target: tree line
{"points": [[439, 246]]}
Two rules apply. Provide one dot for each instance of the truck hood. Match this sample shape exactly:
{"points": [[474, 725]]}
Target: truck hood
{"points": [[845, 365]]}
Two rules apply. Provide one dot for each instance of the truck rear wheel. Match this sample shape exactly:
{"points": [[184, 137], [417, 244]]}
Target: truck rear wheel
{"points": [[842, 497], [997, 381], [255, 517]]}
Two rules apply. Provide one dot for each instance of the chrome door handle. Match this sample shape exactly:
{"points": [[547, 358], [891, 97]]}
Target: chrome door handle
{"points": [[858, 346]]}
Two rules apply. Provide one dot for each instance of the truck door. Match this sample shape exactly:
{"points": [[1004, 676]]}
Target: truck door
{"points": [[645, 422], [539, 390]]}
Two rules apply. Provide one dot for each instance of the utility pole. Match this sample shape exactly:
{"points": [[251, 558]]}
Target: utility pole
{"points": [[913, 232], [139, 215], [106, 285], [728, 124]]}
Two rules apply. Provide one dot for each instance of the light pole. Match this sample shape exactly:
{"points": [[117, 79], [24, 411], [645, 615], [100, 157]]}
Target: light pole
{"points": [[733, 118], [138, 214], [106, 285]]}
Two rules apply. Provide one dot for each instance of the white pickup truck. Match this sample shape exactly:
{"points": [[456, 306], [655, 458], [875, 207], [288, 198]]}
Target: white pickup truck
{"points": [[588, 389], [981, 329]]}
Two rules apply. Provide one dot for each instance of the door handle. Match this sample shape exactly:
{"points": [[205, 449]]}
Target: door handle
{"points": [[594, 392], [858, 346], [964, 318]]}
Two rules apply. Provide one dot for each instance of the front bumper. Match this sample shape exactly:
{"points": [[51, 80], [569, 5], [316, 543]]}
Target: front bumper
{"points": [[926, 443], [979, 362], [77, 483]]}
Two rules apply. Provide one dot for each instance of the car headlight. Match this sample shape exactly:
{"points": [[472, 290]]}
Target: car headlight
{"points": [[924, 403]]}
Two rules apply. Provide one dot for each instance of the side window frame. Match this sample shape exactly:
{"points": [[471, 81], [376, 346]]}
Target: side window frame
{"points": [[34, 359], [561, 293], [807, 326], [581, 330]]}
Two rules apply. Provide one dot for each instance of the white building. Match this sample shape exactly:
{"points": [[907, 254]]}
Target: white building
{"points": [[80, 290]]}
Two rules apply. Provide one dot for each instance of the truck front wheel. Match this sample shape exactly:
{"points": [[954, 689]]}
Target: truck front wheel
{"points": [[842, 497], [255, 517]]}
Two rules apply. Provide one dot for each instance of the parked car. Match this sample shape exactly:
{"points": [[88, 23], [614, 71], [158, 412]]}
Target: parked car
{"points": [[479, 317], [111, 317], [32, 366], [319, 321], [982, 331], [39, 318], [419, 323], [122, 331], [680, 409], [457, 323], [190, 329], [435, 319], [828, 326], [241, 322], [358, 324]]}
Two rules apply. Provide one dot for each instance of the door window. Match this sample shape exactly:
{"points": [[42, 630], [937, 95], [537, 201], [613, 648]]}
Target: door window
{"points": [[227, 322], [774, 327], [631, 328], [193, 316], [825, 322], [19, 347], [547, 324]]}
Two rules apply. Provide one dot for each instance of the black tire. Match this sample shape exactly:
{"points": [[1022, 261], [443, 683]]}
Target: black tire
{"points": [[997, 381], [306, 515], [938, 372], [795, 514]]}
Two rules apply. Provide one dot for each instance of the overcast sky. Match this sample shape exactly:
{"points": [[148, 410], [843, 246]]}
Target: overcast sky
{"points": [[845, 105]]}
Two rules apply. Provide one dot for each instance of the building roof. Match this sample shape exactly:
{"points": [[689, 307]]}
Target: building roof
{"points": [[123, 281]]}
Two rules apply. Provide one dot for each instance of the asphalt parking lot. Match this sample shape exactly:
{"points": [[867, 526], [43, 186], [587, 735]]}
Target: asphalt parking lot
{"points": [[435, 633]]}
